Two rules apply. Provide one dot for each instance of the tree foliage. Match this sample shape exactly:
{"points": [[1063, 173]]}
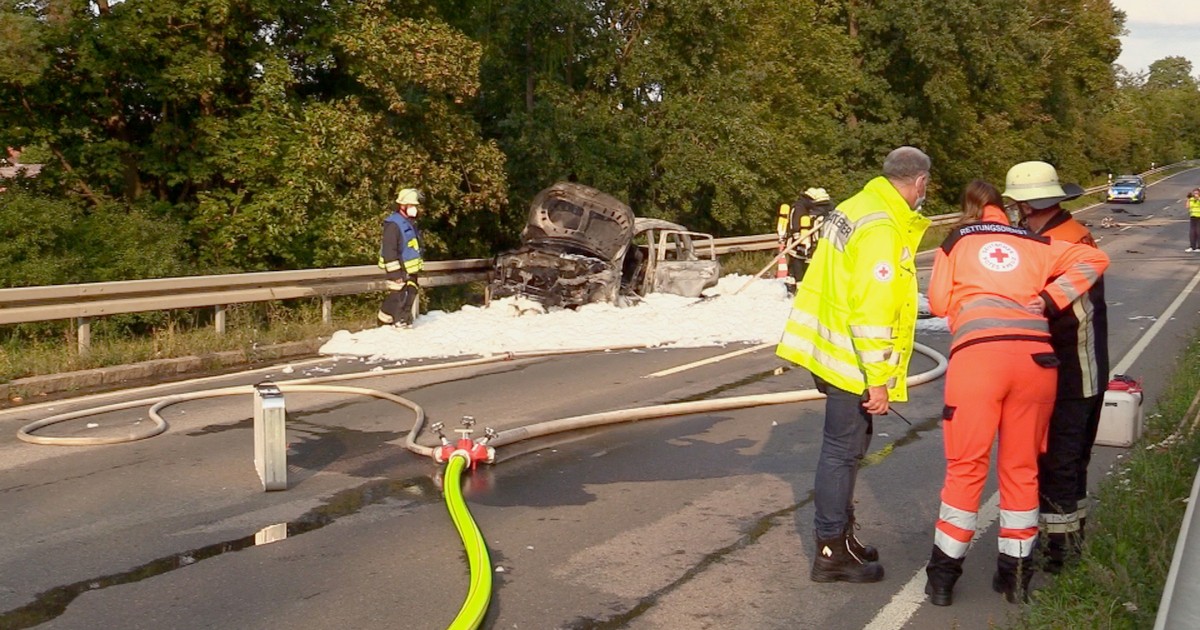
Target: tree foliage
{"points": [[267, 134]]}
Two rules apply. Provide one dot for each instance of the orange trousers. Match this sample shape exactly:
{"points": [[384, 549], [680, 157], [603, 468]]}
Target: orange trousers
{"points": [[1005, 388]]}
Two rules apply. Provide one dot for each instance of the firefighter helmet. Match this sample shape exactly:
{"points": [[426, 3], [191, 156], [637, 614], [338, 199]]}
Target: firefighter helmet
{"points": [[1036, 183], [818, 195], [409, 197]]}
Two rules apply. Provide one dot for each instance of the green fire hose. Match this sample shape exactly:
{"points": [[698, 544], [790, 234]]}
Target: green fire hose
{"points": [[480, 592]]}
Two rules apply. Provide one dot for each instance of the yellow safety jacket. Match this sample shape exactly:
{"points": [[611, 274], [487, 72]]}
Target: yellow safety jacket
{"points": [[855, 312], [1194, 206]]}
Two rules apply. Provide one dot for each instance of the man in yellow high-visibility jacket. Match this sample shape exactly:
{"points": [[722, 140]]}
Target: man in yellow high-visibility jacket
{"points": [[852, 326]]}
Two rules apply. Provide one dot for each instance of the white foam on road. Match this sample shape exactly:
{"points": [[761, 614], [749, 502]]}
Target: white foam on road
{"points": [[727, 314]]}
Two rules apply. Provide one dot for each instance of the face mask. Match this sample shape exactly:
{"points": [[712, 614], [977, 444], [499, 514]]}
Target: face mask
{"points": [[410, 212], [921, 198]]}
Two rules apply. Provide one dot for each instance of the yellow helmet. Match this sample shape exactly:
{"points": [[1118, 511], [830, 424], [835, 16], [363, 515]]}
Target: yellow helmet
{"points": [[409, 197], [817, 194]]}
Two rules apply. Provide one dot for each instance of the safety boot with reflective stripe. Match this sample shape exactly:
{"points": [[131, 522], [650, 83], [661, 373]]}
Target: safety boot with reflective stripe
{"points": [[835, 562], [864, 551]]}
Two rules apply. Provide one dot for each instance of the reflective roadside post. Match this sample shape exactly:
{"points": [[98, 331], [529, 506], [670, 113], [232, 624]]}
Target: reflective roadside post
{"points": [[270, 441]]}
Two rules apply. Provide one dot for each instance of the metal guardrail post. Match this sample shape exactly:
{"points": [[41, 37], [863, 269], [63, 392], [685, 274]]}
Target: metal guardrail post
{"points": [[83, 335], [219, 319], [1179, 608], [270, 440], [326, 309]]}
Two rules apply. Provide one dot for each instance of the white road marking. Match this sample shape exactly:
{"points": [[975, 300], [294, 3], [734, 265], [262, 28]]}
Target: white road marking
{"points": [[908, 600], [711, 360]]}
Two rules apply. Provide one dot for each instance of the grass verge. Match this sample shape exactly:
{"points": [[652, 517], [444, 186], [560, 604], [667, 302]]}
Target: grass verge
{"points": [[1133, 525]]}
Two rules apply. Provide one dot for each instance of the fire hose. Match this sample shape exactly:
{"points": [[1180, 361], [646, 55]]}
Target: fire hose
{"points": [[457, 456]]}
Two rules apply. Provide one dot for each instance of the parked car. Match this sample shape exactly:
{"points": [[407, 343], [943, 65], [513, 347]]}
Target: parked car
{"points": [[578, 247], [1129, 188]]}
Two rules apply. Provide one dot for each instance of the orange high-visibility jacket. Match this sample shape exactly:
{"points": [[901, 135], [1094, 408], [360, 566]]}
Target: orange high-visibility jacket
{"points": [[985, 273]]}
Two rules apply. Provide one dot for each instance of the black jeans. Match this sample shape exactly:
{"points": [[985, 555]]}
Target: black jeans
{"points": [[1194, 234], [847, 435]]}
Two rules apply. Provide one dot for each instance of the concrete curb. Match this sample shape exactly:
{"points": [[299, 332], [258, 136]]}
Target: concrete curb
{"points": [[159, 368]]}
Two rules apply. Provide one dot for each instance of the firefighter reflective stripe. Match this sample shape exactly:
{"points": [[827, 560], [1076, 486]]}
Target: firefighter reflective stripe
{"points": [[1018, 519], [839, 229], [389, 265], [949, 545], [413, 265], [962, 519], [875, 356], [990, 302], [1018, 548], [1056, 523], [991, 324], [1092, 378], [955, 529], [872, 332], [1018, 532], [829, 362], [1070, 290]]}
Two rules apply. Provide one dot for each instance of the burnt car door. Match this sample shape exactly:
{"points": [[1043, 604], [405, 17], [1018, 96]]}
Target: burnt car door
{"points": [[671, 259]]}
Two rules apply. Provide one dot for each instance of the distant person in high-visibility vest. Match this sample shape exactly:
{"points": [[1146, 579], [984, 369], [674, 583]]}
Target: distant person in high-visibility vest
{"points": [[1193, 206], [803, 222], [400, 258]]}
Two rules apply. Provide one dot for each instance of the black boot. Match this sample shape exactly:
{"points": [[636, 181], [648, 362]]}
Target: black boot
{"points": [[1012, 577], [941, 573], [866, 552], [1055, 552], [836, 562]]}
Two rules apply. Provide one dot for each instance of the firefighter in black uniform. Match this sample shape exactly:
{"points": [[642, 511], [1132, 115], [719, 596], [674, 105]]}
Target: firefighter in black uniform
{"points": [[804, 219], [400, 258]]}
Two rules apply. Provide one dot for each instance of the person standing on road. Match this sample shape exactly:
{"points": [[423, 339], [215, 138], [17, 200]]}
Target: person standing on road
{"points": [[400, 258], [852, 325], [1193, 206], [996, 283], [1079, 335]]}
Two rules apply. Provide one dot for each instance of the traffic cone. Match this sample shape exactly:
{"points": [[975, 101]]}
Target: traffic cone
{"points": [[781, 268]]}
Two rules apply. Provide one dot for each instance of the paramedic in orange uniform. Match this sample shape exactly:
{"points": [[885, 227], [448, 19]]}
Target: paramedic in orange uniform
{"points": [[997, 284]]}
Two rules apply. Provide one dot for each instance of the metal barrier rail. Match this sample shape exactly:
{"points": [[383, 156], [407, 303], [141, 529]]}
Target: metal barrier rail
{"points": [[85, 301], [1179, 607]]}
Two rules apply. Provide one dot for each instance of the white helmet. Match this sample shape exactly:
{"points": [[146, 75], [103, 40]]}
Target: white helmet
{"points": [[817, 194], [409, 197]]}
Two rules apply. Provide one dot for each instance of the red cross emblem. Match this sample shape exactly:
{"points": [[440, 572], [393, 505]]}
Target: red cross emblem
{"points": [[883, 271], [999, 256]]}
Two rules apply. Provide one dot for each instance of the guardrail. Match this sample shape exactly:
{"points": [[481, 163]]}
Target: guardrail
{"points": [[85, 301], [1179, 607]]}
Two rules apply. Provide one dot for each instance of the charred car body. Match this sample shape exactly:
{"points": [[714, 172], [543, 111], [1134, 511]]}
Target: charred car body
{"points": [[578, 247]]}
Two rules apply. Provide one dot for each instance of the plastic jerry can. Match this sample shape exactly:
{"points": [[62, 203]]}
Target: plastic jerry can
{"points": [[1121, 415]]}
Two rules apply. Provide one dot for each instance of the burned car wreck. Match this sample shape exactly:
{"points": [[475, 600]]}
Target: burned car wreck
{"points": [[579, 247]]}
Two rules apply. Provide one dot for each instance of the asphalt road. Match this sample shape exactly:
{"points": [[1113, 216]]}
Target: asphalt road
{"points": [[698, 521]]}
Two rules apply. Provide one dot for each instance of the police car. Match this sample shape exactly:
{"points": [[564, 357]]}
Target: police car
{"points": [[1128, 188]]}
